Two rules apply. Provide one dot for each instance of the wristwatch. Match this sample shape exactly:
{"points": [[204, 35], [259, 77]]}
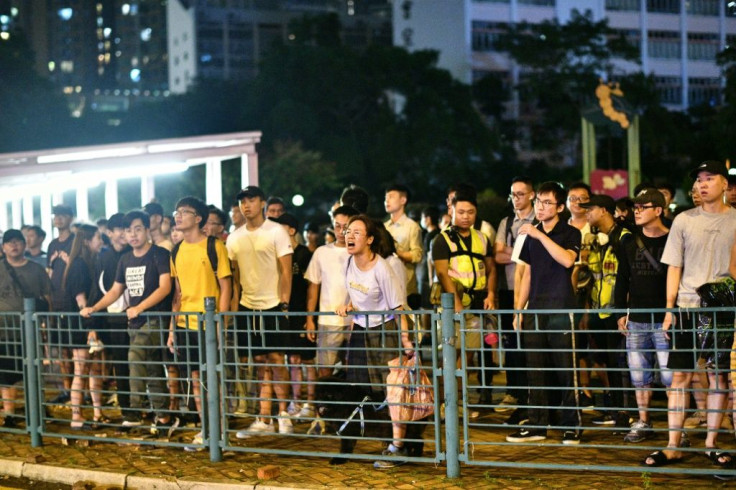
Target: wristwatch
{"points": [[284, 306]]}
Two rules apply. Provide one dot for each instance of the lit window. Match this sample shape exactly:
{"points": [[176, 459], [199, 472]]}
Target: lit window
{"points": [[4, 19], [67, 66], [125, 9], [52, 66], [65, 13], [146, 34], [135, 75], [106, 32], [4, 35]]}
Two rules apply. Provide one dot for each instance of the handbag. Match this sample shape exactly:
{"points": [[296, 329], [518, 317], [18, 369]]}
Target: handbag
{"points": [[409, 392], [715, 329], [435, 294]]}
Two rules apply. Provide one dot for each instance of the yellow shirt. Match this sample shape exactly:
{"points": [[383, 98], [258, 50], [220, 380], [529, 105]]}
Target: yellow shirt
{"points": [[195, 276]]}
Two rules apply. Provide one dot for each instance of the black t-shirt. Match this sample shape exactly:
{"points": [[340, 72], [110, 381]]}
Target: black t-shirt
{"points": [[299, 263], [141, 276], [638, 284], [78, 280], [57, 266], [107, 267], [551, 283]]}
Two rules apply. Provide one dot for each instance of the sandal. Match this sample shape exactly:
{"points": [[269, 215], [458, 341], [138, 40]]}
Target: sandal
{"points": [[98, 423], [715, 456], [660, 459], [80, 425]]}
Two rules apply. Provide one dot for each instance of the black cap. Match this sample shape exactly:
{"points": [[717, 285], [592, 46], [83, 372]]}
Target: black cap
{"points": [[251, 191], [13, 235], [62, 209], [153, 208], [602, 201], [287, 219], [650, 195], [711, 166], [311, 226]]}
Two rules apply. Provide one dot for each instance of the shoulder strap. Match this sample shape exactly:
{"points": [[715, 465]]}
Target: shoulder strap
{"points": [[647, 254], [16, 280], [175, 251], [212, 253]]}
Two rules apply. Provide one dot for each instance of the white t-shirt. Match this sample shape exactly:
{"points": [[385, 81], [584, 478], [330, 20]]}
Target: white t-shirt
{"points": [[377, 289], [700, 243], [257, 253], [327, 268], [397, 266]]}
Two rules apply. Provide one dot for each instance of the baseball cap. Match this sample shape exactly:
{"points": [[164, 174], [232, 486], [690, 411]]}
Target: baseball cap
{"points": [[251, 191], [62, 209], [711, 166], [287, 219], [602, 201], [650, 195], [13, 235]]}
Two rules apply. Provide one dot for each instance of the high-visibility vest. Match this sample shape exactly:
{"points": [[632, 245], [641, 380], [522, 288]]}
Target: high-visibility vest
{"points": [[467, 267], [603, 264]]}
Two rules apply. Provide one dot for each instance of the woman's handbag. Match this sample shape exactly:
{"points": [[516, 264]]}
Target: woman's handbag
{"points": [[409, 392]]}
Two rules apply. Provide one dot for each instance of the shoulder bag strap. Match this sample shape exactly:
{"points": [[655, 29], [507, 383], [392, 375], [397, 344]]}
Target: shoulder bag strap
{"points": [[644, 250]]}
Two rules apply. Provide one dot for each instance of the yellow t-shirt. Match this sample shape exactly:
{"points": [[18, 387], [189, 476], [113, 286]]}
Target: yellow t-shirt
{"points": [[197, 281]]}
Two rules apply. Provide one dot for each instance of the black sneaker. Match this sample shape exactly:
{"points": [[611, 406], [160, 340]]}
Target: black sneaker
{"points": [[623, 423], [605, 419], [396, 458], [571, 438], [61, 398], [161, 428], [517, 417], [527, 435], [10, 422], [586, 402]]}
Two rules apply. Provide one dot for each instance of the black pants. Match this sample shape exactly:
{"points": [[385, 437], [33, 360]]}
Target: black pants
{"points": [[550, 350], [610, 350], [514, 357], [117, 343]]}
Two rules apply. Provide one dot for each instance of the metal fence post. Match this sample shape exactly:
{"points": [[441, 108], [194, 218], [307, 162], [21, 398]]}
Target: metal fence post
{"points": [[213, 387], [449, 361], [32, 381]]}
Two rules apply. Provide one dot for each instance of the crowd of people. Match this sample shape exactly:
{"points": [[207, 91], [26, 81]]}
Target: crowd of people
{"points": [[557, 249]]}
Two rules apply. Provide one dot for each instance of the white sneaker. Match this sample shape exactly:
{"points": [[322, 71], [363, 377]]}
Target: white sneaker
{"points": [[196, 444], [285, 426], [293, 409], [508, 404], [307, 412], [257, 428]]}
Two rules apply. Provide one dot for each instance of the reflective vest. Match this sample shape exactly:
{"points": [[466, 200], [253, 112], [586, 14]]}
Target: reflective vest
{"points": [[603, 265], [467, 267]]}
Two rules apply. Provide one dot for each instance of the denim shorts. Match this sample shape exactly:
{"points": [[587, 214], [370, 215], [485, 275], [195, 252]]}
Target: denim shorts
{"points": [[643, 342]]}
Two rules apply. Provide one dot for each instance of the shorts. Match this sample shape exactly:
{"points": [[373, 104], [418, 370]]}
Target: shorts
{"points": [[187, 344], [644, 343], [258, 335], [330, 340], [302, 346]]}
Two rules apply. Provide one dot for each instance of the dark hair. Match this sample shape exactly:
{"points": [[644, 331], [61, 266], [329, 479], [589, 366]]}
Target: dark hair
{"points": [[274, 200], [464, 194], [39, 231], [524, 180], [387, 245], [401, 189], [101, 222], [557, 190], [79, 250], [153, 208], [371, 229], [433, 213], [221, 215], [576, 185], [197, 205], [669, 187], [116, 220], [462, 187], [348, 211], [131, 216], [355, 197]]}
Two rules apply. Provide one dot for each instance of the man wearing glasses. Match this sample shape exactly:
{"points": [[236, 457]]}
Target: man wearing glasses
{"points": [[549, 252], [522, 199], [216, 223], [641, 282]]}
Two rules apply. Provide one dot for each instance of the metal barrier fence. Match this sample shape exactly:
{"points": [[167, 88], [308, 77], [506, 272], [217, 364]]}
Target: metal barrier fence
{"points": [[215, 379]]}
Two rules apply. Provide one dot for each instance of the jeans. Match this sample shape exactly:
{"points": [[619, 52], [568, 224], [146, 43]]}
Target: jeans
{"points": [[642, 343]]}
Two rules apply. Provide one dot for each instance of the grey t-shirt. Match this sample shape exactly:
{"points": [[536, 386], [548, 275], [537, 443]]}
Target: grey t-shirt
{"points": [[506, 280], [700, 243], [377, 289], [33, 278]]}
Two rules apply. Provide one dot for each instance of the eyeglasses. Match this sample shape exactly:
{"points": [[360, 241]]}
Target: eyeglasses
{"points": [[182, 212], [639, 209], [578, 199], [356, 234], [544, 204], [518, 195]]}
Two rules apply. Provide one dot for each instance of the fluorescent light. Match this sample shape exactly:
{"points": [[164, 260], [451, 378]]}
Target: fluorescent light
{"points": [[91, 155], [194, 145]]}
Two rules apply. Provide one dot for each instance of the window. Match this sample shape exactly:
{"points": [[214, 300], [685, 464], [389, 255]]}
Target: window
{"points": [[543, 3], [704, 91], [702, 46], [664, 44], [702, 7], [623, 5], [663, 6], [485, 34], [669, 89]]}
